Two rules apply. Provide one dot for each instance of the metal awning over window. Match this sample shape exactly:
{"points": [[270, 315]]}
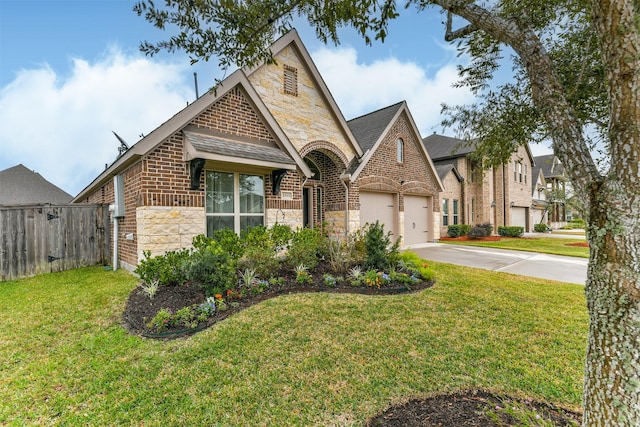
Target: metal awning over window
{"points": [[216, 148]]}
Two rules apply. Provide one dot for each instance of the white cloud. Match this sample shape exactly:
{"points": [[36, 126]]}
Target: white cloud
{"points": [[61, 126], [361, 88]]}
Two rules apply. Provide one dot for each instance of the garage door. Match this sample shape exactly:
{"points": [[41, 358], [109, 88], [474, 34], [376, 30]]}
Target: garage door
{"points": [[416, 220], [519, 217], [381, 207]]}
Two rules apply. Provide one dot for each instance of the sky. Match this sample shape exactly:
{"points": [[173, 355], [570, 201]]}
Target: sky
{"points": [[72, 74]]}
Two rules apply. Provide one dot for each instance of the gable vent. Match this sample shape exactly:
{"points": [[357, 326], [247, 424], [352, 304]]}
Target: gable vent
{"points": [[290, 80]]}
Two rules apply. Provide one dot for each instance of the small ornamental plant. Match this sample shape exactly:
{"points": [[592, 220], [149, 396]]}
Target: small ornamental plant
{"points": [[303, 277], [329, 280]]}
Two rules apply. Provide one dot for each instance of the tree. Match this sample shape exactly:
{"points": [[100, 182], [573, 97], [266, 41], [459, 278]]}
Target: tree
{"points": [[556, 94]]}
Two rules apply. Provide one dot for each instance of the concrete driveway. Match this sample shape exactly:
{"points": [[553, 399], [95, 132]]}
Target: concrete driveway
{"points": [[552, 267]]}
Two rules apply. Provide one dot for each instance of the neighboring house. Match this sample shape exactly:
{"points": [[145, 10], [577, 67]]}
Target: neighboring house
{"points": [[500, 196], [268, 146], [539, 202], [22, 186], [556, 189], [450, 199]]}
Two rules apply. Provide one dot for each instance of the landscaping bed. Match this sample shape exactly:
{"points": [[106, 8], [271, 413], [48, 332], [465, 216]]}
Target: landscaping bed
{"points": [[140, 309], [474, 408]]}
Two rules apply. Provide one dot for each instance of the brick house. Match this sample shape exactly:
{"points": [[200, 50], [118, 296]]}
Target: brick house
{"points": [[500, 196], [268, 146]]}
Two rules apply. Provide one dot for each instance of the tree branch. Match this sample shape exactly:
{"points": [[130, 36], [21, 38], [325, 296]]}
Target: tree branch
{"points": [[459, 33]]}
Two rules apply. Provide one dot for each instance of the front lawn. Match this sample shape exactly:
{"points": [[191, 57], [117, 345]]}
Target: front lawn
{"points": [[547, 245], [302, 359]]}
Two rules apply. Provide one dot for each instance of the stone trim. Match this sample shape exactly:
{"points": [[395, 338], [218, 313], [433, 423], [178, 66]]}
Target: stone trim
{"points": [[327, 148]]}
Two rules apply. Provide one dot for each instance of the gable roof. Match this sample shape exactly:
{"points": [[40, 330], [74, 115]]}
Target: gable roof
{"points": [[292, 38], [369, 128], [445, 168], [373, 128], [180, 120], [442, 147], [550, 166], [22, 186]]}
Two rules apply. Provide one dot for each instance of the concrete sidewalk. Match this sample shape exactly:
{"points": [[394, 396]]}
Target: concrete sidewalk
{"points": [[533, 264]]}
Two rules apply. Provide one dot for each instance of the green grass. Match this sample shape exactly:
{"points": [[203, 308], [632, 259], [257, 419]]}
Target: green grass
{"points": [[547, 245], [304, 359]]}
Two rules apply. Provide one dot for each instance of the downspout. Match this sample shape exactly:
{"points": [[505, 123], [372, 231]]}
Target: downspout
{"points": [[343, 180], [116, 231], [504, 196]]}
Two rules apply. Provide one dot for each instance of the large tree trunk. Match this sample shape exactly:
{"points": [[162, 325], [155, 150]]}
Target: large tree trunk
{"points": [[612, 372], [612, 369]]}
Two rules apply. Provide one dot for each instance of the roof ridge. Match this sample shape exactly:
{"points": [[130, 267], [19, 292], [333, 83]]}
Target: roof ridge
{"points": [[377, 111]]}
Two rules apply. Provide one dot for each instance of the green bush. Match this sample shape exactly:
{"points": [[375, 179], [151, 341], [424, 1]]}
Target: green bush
{"points": [[281, 235], [212, 268], [464, 229], [453, 231], [481, 231], [259, 252], [540, 228], [303, 249], [511, 231], [168, 269], [380, 253], [229, 241]]}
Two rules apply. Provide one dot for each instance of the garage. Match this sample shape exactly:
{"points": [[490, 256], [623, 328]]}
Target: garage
{"points": [[519, 217], [382, 207], [416, 219]]}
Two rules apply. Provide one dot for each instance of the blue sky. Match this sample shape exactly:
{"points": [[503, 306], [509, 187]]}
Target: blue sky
{"points": [[71, 73]]}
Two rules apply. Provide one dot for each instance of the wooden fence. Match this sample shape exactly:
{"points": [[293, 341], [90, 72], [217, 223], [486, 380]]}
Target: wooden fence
{"points": [[46, 238]]}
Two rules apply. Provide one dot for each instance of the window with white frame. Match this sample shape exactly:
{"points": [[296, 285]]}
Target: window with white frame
{"points": [[445, 212], [233, 200], [455, 211], [400, 150]]}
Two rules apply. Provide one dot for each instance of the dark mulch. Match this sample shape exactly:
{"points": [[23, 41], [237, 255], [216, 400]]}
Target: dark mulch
{"points": [[579, 244], [470, 409], [140, 308]]}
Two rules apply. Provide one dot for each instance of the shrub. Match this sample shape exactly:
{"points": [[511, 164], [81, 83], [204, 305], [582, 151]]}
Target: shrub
{"points": [[453, 231], [281, 235], [259, 252], [464, 229], [381, 254], [212, 268], [303, 249], [168, 269], [229, 241], [540, 228], [511, 231], [478, 232]]}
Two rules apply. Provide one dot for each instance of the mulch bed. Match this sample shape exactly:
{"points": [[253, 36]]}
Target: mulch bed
{"points": [[579, 244], [470, 409], [140, 308]]}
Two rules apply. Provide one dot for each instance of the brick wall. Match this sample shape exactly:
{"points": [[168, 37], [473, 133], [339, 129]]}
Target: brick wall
{"points": [[161, 180]]}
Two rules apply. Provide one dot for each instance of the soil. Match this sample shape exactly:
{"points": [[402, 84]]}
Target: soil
{"points": [[473, 408], [462, 409], [579, 244], [140, 308]]}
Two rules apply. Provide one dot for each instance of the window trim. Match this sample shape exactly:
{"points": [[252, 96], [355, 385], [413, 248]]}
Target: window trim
{"points": [[455, 208], [236, 213], [400, 150], [445, 212]]}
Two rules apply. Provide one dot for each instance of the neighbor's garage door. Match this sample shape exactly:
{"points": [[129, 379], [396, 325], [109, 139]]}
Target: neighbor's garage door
{"points": [[416, 220], [519, 217], [379, 207]]}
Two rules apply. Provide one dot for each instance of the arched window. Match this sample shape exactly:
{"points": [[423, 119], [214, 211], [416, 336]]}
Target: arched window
{"points": [[400, 150]]}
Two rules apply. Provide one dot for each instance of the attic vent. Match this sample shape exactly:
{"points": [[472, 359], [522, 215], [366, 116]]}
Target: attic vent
{"points": [[290, 80]]}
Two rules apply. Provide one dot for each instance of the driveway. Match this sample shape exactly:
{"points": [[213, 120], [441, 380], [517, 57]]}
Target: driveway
{"points": [[552, 267]]}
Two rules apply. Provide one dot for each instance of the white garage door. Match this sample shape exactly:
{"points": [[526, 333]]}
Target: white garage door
{"points": [[381, 207], [519, 217], [416, 220]]}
